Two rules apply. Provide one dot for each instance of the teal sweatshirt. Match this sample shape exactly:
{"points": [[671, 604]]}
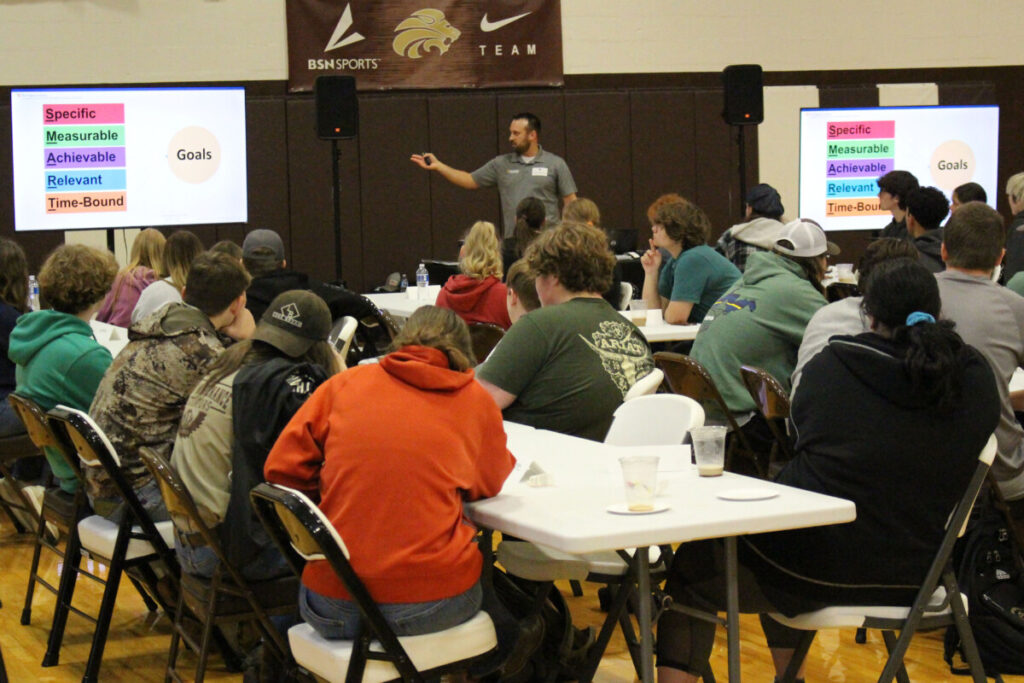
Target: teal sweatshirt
{"points": [[760, 322], [58, 362]]}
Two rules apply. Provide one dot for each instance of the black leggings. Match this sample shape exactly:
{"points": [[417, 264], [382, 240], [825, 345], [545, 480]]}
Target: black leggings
{"points": [[697, 579]]}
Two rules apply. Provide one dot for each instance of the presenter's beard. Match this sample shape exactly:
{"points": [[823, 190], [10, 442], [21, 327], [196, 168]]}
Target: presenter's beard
{"points": [[521, 149]]}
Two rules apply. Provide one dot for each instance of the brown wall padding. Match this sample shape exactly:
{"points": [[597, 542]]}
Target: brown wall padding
{"points": [[628, 138]]}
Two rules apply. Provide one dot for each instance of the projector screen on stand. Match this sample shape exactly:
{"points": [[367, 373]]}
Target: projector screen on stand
{"points": [[843, 152], [128, 157]]}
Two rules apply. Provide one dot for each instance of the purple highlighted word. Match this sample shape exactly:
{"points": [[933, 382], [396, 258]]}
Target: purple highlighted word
{"points": [[858, 168], [84, 157]]}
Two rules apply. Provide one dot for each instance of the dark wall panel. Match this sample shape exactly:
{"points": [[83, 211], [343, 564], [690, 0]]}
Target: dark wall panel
{"points": [[967, 93], [309, 190], [461, 133], [662, 132], [267, 158], [835, 97], [395, 193], [596, 127], [718, 182]]}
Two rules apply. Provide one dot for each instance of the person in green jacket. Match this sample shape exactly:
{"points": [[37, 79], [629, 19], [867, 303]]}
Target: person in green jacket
{"points": [[761, 320], [58, 359]]}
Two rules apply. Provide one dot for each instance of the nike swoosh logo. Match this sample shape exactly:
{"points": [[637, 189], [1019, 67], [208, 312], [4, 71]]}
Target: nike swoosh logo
{"points": [[488, 26]]}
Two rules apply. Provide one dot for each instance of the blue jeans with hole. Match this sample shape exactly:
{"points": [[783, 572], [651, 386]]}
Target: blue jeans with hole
{"points": [[336, 619]]}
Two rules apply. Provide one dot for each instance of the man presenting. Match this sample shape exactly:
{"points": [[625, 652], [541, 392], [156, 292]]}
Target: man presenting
{"points": [[529, 171]]}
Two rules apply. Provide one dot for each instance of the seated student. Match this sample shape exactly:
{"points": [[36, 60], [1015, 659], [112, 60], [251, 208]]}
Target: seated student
{"points": [[142, 270], [991, 319], [477, 294], [759, 232], [180, 250], [234, 416], [263, 257], [583, 210], [1014, 262], [761, 320], [531, 219], [13, 302], [926, 209], [568, 365], [59, 360], [893, 188], [443, 434], [522, 291], [968, 192], [140, 399], [874, 415], [695, 275], [846, 316]]}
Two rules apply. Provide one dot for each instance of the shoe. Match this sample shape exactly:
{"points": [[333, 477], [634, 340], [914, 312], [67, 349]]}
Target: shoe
{"points": [[531, 635]]}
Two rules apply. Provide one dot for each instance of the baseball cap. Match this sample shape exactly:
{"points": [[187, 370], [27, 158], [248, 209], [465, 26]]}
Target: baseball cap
{"points": [[263, 238], [765, 199], [293, 321], [803, 237]]}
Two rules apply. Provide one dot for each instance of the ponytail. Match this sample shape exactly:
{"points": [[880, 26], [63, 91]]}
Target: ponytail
{"points": [[934, 352]]}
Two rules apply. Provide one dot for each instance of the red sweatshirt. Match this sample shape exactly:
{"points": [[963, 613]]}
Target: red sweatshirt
{"points": [[394, 449], [476, 301]]}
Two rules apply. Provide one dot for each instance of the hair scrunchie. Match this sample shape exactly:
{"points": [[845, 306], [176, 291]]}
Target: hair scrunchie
{"points": [[919, 317]]}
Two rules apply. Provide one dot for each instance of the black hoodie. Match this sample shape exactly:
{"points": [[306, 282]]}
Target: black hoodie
{"points": [[865, 434]]}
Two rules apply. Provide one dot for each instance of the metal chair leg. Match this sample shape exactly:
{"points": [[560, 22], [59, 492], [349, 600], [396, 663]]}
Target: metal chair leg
{"points": [[65, 593], [99, 638], [799, 655], [890, 646]]}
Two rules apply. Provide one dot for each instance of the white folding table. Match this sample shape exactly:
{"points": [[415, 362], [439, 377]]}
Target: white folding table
{"points": [[400, 305], [571, 515]]}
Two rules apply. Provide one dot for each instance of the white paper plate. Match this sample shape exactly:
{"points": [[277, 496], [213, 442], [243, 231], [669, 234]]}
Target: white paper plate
{"points": [[748, 494], [623, 509]]}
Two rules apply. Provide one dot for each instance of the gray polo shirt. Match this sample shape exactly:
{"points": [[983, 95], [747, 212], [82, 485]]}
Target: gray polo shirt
{"points": [[547, 178], [991, 319]]}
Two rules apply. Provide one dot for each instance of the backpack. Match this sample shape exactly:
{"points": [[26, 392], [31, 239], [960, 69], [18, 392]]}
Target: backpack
{"points": [[988, 574]]}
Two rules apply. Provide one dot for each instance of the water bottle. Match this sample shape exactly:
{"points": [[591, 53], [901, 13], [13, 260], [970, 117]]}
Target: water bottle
{"points": [[422, 282], [33, 293], [404, 284]]}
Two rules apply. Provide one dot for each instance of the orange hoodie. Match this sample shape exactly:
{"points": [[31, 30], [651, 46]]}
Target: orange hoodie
{"points": [[394, 449]]}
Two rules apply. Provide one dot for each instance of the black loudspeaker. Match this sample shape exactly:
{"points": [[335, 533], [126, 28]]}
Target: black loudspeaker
{"points": [[337, 109], [744, 99]]}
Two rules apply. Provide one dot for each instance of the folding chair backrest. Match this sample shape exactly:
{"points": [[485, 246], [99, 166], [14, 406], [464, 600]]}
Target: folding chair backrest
{"points": [[625, 295], [985, 458], [34, 419], [687, 377], [769, 396], [374, 334], [342, 334], [182, 507], [655, 420], [485, 336], [646, 385]]}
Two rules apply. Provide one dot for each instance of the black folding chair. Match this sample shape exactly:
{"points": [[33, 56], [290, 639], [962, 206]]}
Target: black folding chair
{"points": [[226, 596], [298, 526], [934, 606], [134, 543]]}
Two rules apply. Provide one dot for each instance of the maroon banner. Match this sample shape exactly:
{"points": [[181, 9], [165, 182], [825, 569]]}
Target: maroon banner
{"points": [[425, 43]]}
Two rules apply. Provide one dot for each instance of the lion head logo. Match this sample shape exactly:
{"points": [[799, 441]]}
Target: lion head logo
{"points": [[425, 30]]}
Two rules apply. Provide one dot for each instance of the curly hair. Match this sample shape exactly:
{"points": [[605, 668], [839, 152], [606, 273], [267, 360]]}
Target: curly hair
{"points": [[652, 210], [13, 275], [442, 329], [74, 277], [577, 254], [684, 223], [481, 253]]}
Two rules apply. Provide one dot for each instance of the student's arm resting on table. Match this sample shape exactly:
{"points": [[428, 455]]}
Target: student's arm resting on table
{"points": [[500, 396], [678, 312]]}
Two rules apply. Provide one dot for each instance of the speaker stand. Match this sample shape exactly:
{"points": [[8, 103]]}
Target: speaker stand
{"points": [[741, 138], [336, 194]]}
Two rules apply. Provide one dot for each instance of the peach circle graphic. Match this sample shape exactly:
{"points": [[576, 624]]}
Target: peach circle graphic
{"points": [[952, 164], [194, 154]]}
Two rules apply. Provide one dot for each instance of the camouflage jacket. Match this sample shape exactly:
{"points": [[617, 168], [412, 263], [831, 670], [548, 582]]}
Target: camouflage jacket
{"points": [[142, 395]]}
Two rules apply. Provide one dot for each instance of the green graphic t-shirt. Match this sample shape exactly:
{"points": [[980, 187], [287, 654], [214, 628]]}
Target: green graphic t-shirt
{"points": [[569, 366]]}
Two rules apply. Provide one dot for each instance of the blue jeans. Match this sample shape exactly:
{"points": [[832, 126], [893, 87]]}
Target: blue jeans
{"points": [[202, 561], [10, 423], [336, 619]]}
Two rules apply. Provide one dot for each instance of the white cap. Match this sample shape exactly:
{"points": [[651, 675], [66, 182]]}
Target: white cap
{"points": [[804, 238]]}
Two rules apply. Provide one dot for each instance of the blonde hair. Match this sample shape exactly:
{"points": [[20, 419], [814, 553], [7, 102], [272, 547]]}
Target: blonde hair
{"points": [[1015, 187], [481, 254], [582, 210], [442, 329], [180, 250], [147, 251]]}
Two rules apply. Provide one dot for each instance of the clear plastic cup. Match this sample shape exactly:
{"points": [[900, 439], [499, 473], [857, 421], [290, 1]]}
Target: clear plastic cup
{"points": [[709, 450], [640, 476]]}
